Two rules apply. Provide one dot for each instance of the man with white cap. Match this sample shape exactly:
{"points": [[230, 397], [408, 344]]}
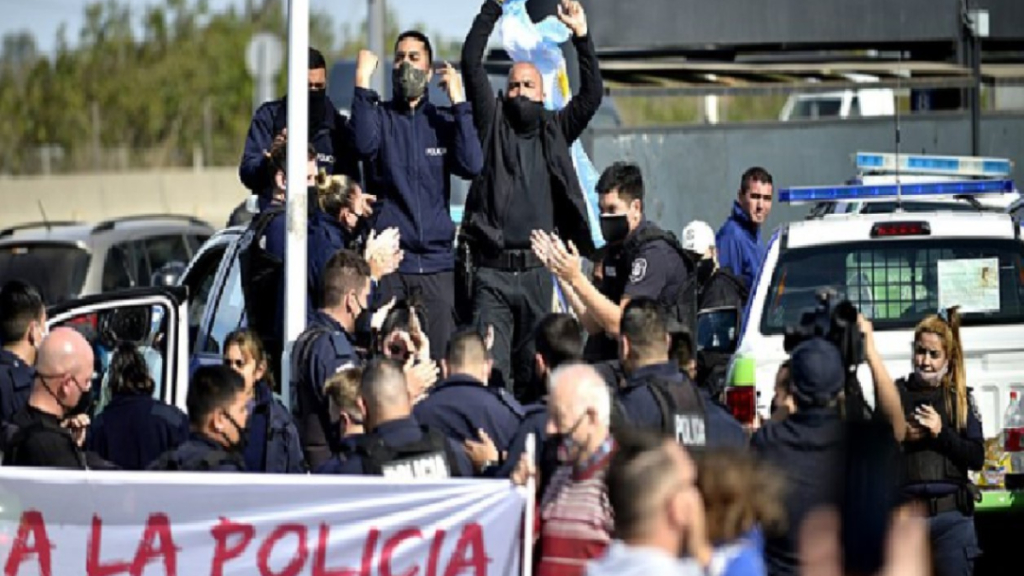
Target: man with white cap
{"points": [[716, 287]]}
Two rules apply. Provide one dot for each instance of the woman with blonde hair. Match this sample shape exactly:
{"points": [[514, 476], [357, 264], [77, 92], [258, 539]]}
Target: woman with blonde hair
{"points": [[942, 441]]}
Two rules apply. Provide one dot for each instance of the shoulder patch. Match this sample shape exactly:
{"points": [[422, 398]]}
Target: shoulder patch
{"points": [[638, 270]]}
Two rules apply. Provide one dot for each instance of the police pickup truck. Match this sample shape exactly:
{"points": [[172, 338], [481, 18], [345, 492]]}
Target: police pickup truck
{"points": [[897, 267]]}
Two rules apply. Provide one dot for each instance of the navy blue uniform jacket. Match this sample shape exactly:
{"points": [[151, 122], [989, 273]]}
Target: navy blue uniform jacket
{"points": [[642, 410], [273, 438], [135, 429], [739, 246], [397, 433], [332, 140], [461, 405], [189, 456], [16, 378], [807, 448], [410, 156]]}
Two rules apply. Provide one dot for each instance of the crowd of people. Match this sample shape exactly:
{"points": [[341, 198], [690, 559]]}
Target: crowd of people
{"points": [[421, 360]]}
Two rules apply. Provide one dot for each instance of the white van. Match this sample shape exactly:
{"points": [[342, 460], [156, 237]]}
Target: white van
{"points": [[841, 104], [896, 268]]}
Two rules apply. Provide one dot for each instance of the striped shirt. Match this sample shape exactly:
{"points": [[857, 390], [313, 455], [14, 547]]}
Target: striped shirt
{"points": [[575, 517]]}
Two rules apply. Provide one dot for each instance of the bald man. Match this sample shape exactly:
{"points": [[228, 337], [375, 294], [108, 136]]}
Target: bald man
{"points": [[576, 520], [464, 407], [396, 445], [51, 428], [528, 172]]}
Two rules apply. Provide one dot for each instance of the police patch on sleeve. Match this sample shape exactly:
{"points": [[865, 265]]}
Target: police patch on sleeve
{"points": [[638, 271]]}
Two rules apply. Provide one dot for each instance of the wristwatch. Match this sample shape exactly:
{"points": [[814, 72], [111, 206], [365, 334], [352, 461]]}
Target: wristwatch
{"points": [[485, 465]]}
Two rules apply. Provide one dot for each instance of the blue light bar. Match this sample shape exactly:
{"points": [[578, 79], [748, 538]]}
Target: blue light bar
{"points": [[889, 192], [930, 164]]}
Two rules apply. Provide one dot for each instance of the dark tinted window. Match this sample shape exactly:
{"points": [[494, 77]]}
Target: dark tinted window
{"points": [[897, 283], [119, 267], [818, 108], [163, 250], [57, 270], [227, 316]]}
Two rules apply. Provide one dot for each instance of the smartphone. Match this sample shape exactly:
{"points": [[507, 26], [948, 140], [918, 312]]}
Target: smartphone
{"points": [[870, 493]]}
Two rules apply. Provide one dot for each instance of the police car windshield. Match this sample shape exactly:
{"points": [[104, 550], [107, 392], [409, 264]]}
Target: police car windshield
{"points": [[897, 283], [37, 264]]}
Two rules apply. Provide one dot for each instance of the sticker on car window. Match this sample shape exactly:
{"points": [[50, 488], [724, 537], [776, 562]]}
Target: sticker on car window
{"points": [[973, 284]]}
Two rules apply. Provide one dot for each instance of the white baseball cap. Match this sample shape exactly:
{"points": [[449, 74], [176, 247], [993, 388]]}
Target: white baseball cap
{"points": [[698, 237]]}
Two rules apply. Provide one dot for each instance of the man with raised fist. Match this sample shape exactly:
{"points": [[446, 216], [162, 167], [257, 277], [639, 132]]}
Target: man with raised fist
{"points": [[411, 148]]}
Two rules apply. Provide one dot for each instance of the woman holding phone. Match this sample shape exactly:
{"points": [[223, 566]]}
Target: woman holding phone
{"points": [[942, 441]]}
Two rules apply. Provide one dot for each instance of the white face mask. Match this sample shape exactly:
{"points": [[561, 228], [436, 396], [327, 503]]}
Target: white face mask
{"points": [[932, 378]]}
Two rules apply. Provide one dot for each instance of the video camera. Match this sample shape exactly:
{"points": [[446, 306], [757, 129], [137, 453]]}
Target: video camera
{"points": [[836, 322]]}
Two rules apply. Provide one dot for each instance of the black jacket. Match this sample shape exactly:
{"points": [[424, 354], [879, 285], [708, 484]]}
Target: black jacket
{"points": [[491, 193]]}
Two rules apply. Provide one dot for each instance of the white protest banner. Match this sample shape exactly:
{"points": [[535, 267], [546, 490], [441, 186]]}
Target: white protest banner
{"points": [[75, 523]]}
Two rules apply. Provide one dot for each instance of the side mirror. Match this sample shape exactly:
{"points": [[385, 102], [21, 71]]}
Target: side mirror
{"points": [[718, 330]]}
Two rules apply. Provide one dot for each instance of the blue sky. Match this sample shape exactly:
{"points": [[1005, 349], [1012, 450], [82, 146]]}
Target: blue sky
{"points": [[44, 17]]}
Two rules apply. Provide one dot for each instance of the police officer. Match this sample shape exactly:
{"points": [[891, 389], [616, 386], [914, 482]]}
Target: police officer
{"points": [[135, 429], [412, 148], [806, 446], [329, 134], [641, 261], [272, 444], [22, 329], [396, 444], [51, 426], [218, 413], [943, 440], [658, 395], [462, 406], [324, 348]]}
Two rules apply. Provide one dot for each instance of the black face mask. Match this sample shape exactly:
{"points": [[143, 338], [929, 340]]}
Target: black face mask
{"points": [[523, 114], [614, 228], [243, 436], [317, 108], [408, 82], [86, 404], [705, 268]]}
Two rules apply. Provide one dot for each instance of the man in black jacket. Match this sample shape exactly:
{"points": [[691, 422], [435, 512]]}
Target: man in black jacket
{"points": [[528, 183]]}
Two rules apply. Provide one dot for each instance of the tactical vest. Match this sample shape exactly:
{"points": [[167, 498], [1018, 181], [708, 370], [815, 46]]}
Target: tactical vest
{"points": [[923, 462], [683, 413], [683, 307], [172, 462], [428, 458]]}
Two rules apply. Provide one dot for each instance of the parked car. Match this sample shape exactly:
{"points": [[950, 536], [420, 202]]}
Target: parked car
{"points": [[95, 258]]}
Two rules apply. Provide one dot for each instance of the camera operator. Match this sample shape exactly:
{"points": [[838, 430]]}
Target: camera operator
{"points": [[942, 439], [807, 445], [815, 392]]}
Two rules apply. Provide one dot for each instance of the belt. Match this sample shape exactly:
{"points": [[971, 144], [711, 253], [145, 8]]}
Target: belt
{"points": [[511, 261], [939, 504]]}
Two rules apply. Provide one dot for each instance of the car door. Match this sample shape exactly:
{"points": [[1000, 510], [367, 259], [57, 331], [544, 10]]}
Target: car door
{"points": [[154, 319], [225, 311]]}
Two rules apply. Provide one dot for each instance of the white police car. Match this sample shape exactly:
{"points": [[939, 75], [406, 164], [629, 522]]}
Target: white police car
{"points": [[897, 268]]}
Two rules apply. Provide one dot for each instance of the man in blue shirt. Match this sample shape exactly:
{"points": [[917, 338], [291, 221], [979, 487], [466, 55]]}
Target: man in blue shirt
{"points": [[396, 445], [411, 148], [22, 329], [463, 405], [657, 395], [739, 239], [324, 349], [329, 135]]}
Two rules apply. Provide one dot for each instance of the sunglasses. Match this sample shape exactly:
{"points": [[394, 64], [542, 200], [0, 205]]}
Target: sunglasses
{"points": [[236, 364]]}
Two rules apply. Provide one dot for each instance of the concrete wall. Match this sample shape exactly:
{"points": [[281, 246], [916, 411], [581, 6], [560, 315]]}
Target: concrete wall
{"points": [[208, 194], [693, 172]]}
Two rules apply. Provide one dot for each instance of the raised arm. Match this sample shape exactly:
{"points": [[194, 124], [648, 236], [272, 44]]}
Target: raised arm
{"points": [[465, 158], [254, 169], [575, 117], [365, 121], [478, 86]]}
